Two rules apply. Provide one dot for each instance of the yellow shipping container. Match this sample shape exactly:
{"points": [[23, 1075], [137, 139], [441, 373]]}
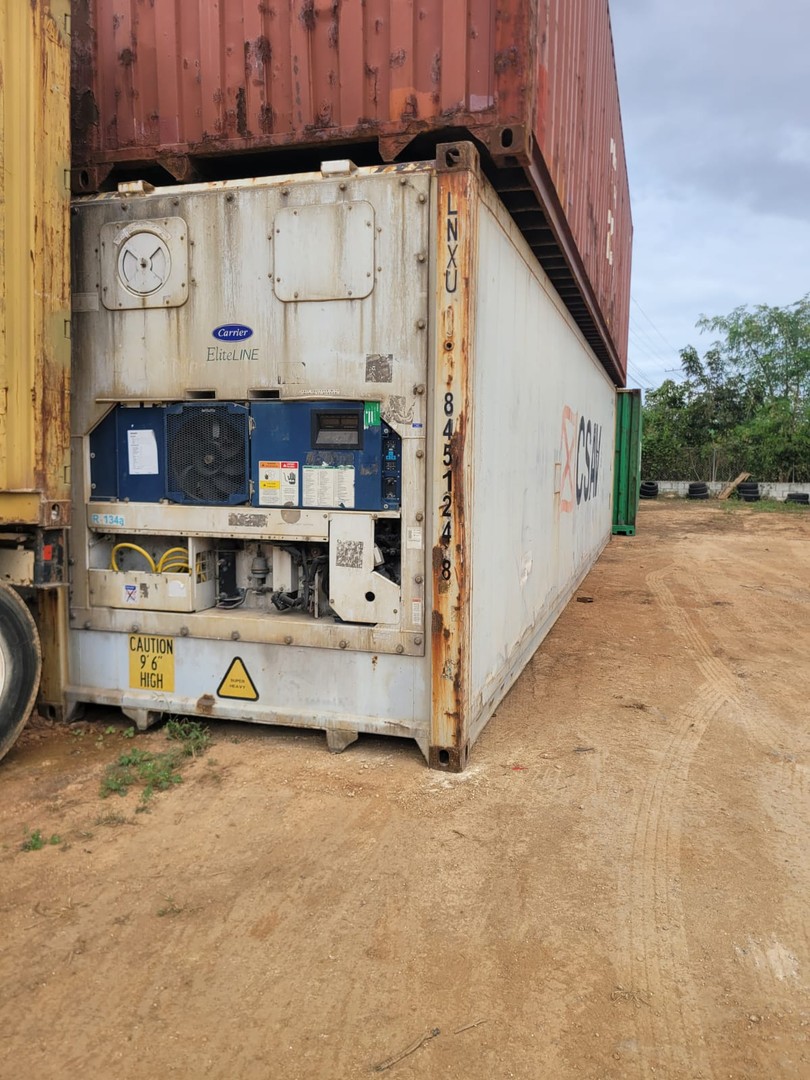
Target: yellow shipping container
{"points": [[34, 256], [34, 349]]}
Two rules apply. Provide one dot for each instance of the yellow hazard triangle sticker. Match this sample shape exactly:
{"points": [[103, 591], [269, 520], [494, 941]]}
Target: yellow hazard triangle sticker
{"points": [[237, 683]]}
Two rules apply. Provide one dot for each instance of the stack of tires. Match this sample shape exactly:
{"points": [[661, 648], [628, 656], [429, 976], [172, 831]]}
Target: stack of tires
{"points": [[800, 497], [648, 490], [748, 490], [698, 490]]}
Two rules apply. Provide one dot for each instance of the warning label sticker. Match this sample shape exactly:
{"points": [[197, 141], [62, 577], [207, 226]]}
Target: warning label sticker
{"points": [[329, 486], [278, 483], [237, 683]]}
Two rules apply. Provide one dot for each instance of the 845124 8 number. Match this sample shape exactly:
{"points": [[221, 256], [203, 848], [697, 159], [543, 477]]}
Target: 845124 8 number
{"points": [[446, 509]]}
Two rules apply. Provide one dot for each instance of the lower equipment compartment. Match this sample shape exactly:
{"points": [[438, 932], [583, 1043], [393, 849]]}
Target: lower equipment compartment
{"points": [[346, 481]]}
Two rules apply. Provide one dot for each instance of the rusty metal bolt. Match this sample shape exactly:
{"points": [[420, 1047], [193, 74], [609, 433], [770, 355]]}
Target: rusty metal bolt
{"points": [[288, 640], [420, 324], [417, 641], [420, 453], [343, 644], [419, 579], [419, 388], [235, 635], [134, 629], [400, 649], [419, 515], [183, 631], [423, 198], [421, 257]]}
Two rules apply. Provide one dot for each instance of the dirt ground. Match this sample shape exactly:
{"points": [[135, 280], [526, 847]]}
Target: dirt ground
{"points": [[617, 887]]}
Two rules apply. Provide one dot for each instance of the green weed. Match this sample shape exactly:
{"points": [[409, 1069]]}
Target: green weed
{"points": [[192, 736], [156, 771], [35, 841]]}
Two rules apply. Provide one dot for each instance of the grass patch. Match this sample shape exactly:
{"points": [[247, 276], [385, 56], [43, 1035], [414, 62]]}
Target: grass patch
{"points": [[767, 506], [113, 819], [192, 736], [169, 908], [35, 841], [156, 771]]}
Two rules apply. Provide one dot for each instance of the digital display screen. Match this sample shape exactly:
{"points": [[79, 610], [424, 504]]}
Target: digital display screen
{"points": [[338, 430]]}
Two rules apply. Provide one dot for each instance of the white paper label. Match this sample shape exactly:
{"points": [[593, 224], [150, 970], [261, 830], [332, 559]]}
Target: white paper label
{"points": [[329, 487], [278, 483], [416, 612], [414, 538], [142, 452]]}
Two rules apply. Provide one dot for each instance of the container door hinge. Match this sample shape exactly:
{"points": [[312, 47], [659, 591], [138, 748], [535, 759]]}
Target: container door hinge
{"points": [[251, 425], [251, 490]]}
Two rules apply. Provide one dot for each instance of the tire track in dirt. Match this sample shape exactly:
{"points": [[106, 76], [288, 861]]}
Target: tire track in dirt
{"points": [[670, 1026], [659, 950], [754, 716]]}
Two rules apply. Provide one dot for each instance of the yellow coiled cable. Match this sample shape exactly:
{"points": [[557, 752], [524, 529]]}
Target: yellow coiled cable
{"points": [[131, 547], [175, 551]]}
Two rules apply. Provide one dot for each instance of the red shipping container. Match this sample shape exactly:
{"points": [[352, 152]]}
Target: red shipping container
{"points": [[185, 83]]}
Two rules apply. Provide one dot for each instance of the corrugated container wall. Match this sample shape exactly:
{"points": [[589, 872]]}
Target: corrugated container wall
{"points": [[34, 263], [534, 81]]}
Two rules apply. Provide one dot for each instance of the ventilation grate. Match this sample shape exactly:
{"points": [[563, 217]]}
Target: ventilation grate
{"points": [[207, 454]]}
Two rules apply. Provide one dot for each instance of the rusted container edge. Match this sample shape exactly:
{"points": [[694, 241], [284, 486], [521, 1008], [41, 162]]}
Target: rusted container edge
{"points": [[456, 210]]}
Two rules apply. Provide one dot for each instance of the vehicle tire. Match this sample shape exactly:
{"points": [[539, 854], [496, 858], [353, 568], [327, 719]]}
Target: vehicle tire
{"points": [[698, 495], [751, 497], [800, 497], [698, 487], [748, 488], [648, 489], [20, 666]]}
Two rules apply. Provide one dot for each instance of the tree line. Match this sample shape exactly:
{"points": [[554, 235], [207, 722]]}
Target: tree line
{"points": [[744, 405]]}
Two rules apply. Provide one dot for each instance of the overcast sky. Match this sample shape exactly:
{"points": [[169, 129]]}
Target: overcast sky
{"points": [[716, 111]]}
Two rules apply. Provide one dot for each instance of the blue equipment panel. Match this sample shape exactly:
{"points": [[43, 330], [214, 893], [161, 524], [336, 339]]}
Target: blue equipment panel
{"points": [[128, 455], [324, 454]]}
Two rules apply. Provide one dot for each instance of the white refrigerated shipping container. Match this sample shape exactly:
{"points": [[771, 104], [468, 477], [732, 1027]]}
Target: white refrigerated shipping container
{"points": [[341, 455]]}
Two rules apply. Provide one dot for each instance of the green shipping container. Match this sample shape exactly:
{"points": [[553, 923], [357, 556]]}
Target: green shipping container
{"points": [[627, 467]]}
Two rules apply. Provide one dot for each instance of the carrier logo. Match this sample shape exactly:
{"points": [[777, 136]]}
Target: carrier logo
{"points": [[581, 444], [232, 332]]}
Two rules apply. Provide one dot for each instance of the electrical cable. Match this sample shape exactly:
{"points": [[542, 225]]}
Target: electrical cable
{"points": [[131, 547], [171, 551]]}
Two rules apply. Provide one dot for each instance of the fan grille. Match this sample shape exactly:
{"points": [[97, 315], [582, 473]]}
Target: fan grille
{"points": [[207, 451]]}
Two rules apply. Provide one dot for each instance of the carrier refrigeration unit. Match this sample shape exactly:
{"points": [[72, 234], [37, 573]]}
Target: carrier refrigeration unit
{"points": [[341, 454]]}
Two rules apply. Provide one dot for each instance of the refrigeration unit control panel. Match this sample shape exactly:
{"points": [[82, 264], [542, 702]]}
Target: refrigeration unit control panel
{"points": [[176, 460], [303, 454]]}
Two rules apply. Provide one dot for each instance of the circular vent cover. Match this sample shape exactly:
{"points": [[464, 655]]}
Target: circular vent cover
{"points": [[144, 263]]}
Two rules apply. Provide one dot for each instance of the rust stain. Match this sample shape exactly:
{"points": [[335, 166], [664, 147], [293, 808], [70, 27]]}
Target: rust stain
{"points": [[306, 16], [205, 705], [241, 113]]}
